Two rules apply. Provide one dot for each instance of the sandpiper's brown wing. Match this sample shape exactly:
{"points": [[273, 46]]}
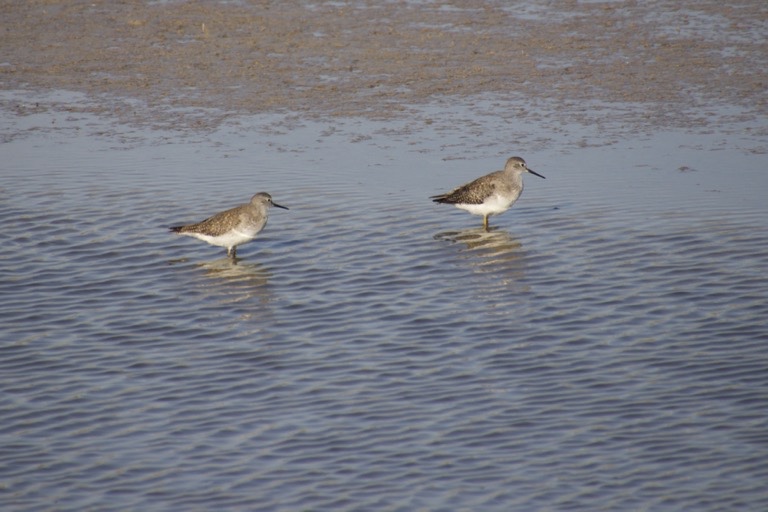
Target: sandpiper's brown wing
{"points": [[213, 226], [474, 192]]}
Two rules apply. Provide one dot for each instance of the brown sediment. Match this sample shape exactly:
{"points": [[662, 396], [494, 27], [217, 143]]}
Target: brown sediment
{"points": [[376, 59]]}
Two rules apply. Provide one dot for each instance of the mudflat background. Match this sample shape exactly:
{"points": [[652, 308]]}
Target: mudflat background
{"points": [[377, 59]]}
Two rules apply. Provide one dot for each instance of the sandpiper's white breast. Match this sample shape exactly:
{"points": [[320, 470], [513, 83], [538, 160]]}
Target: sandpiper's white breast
{"points": [[493, 204], [231, 238]]}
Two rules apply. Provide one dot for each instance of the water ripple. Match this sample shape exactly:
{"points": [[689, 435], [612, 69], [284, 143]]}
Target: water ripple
{"points": [[372, 352]]}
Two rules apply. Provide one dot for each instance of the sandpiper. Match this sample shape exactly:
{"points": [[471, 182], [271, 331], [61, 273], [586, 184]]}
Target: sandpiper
{"points": [[491, 194], [232, 227]]}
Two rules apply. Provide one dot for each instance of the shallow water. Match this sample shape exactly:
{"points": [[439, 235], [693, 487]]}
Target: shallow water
{"points": [[603, 347]]}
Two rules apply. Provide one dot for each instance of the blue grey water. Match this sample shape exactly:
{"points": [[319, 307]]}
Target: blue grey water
{"points": [[604, 347]]}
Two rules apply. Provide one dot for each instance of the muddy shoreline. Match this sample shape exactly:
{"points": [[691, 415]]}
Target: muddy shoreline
{"points": [[674, 63]]}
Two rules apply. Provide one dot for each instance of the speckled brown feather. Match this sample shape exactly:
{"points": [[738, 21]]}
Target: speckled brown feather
{"points": [[218, 224], [474, 192]]}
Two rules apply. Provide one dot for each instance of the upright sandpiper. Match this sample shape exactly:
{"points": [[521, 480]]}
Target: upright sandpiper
{"points": [[491, 194], [232, 227]]}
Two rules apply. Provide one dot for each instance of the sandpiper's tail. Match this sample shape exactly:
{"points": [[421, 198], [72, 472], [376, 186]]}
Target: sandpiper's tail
{"points": [[176, 229], [442, 198]]}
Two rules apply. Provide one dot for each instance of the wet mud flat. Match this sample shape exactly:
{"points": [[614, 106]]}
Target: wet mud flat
{"points": [[189, 64]]}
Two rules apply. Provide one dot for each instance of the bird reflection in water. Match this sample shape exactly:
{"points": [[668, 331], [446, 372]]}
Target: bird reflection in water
{"points": [[494, 252], [238, 282], [494, 242]]}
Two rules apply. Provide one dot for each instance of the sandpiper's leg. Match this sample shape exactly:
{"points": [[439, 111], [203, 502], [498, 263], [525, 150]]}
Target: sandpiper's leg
{"points": [[234, 252], [485, 222]]}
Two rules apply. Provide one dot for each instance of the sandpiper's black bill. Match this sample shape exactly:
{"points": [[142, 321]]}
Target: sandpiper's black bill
{"points": [[534, 172], [277, 205]]}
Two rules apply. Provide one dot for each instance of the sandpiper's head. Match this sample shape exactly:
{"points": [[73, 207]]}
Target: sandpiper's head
{"points": [[266, 199], [517, 165]]}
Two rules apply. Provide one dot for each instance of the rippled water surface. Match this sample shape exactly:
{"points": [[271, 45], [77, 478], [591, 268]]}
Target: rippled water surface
{"points": [[603, 347]]}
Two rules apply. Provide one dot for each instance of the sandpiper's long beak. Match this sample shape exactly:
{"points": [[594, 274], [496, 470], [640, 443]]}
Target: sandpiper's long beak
{"points": [[534, 172], [279, 206]]}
